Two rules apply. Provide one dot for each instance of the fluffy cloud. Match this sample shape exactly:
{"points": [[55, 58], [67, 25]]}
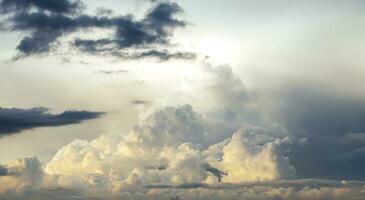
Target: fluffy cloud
{"points": [[163, 155], [172, 146], [22, 174], [250, 155], [170, 155], [225, 102], [162, 150]]}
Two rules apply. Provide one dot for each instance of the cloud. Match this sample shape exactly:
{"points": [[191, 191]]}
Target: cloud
{"points": [[164, 55], [145, 36], [111, 72], [3, 171], [226, 103], [171, 145], [309, 189], [140, 102], [57, 6], [165, 149], [169, 154], [285, 190], [13, 120], [26, 173], [252, 155], [333, 127]]}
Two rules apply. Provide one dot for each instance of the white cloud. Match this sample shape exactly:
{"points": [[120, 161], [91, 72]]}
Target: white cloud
{"points": [[251, 155], [22, 174], [172, 145]]}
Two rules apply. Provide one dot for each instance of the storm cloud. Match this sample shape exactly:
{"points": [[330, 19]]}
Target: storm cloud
{"points": [[14, 120], [147, 35], [330, 132]]}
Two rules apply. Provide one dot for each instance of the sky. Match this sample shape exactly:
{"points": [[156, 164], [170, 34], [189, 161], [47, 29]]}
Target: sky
{"points": [[184, 99]]}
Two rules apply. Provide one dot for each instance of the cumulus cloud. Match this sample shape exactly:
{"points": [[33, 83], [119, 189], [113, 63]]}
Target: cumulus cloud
{"points": [[171, 147], [146, 35], [14, 120], [169, 154], [22, 174], [225, 102], [165, 149], [251, 155], [142, 159]]}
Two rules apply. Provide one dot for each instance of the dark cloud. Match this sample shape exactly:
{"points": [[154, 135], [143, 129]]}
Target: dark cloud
{"points": [[154, 29], [147, 34], [219, 174], [13, 120], [46, 29], [163, 15], [164, 55], [3, 171], [38, 42], [112, 47], [57, 6], [104, 11], [334, 130]]}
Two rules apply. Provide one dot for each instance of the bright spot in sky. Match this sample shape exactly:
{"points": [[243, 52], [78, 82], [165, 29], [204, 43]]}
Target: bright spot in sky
{"points": [[218, 50]]}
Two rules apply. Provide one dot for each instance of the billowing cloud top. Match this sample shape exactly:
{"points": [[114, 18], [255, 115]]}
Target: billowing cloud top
{"points": [[215, 145], [173, 146]]}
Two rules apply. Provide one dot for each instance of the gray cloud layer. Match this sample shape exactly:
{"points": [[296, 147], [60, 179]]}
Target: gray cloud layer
{"points": [[330, 132], [304, 189], [13, 120], [147, 35]]}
